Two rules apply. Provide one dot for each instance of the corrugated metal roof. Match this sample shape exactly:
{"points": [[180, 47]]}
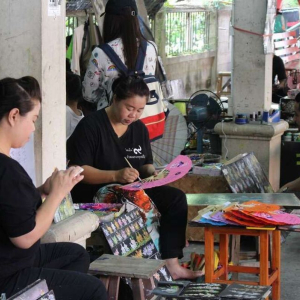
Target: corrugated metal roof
{"points": [[153, 6], [77, 5]]}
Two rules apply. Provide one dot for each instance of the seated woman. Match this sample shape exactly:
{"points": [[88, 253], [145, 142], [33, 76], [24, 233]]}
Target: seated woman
{"points": [[100, 143], [24, 219]]}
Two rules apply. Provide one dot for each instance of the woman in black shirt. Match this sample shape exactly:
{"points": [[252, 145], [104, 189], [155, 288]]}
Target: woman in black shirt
{"points": [[24, 219], [100, 143]]}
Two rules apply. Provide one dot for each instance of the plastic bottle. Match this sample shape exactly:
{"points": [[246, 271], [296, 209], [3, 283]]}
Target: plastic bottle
{"points": [[259, 119]]}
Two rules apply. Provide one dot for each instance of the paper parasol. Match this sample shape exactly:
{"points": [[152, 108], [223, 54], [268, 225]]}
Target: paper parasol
{"points": [[176, 169]]}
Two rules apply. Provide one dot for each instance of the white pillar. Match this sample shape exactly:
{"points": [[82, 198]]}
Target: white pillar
{"points": [[251, 68], [32, 42], [252, 91], [263, 140]]}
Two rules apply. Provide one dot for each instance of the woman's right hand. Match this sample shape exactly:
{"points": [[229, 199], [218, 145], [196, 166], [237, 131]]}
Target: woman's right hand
{"points": [[126, 175], [293, 186], [62, 182]]}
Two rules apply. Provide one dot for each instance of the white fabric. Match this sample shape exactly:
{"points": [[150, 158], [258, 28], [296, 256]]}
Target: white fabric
{"points": [[77, 47], [101, 72], [72, 120]]}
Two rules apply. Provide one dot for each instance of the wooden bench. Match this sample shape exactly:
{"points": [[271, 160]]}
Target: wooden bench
{"points": [[285, 46], [140, 270]]}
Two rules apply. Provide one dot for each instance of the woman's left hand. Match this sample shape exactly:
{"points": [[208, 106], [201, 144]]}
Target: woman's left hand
{"points": [[45, 188], [155, 173]]}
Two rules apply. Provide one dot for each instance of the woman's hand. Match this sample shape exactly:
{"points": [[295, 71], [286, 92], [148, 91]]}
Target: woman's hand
{"points": [[59, 184], [45, 188], [147, 170], [293, 186], [62, 182], [127, 175]]}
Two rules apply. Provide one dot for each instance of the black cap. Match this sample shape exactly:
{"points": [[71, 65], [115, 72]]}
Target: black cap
{"points": [[116, 7]]}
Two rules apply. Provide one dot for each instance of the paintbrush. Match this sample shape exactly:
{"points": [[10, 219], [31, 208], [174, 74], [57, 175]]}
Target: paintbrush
{"points": [[131, 167]]}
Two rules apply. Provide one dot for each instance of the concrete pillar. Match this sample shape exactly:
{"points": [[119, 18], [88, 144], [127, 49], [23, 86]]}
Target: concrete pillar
{"points": [[32, 41], [252, 91], [160, 33], [142, 11], [263, 140], [251, 68]]}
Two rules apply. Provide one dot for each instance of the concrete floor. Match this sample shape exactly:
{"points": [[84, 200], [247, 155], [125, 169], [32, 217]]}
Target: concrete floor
{"points": [[290, 264]]}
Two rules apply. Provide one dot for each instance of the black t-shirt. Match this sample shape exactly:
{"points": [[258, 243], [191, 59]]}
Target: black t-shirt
{"points": [[95, 143], [278, 68], [19, 200]]}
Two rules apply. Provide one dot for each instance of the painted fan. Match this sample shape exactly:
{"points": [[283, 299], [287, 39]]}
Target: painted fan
{"points": [[174, 139]]}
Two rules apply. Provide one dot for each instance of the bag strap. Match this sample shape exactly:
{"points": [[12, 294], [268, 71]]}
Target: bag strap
{"points": [[141, 58], [114, 58], [120, 65]]}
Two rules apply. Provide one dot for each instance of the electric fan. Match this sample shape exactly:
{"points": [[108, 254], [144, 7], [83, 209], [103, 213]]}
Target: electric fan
{"points": [[204, 110]]}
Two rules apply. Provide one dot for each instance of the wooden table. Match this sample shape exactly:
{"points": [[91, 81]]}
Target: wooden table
{"points": [[139, 270], [286, 200], [267, 276]]}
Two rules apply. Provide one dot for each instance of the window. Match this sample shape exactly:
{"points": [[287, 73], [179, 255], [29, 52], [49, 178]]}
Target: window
{"points": [[187, 33], [71, 24]]}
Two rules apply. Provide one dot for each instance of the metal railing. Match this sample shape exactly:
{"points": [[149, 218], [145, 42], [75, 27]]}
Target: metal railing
{"points": [[187, 32]]}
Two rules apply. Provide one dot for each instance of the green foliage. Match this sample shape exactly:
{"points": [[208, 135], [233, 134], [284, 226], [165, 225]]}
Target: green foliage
{"points": [[186, 33], [290, 3], [167, 4], [209, 4]]}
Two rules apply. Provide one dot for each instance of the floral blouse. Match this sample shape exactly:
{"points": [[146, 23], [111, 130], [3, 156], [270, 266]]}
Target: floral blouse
{"points": [[101, 72]]}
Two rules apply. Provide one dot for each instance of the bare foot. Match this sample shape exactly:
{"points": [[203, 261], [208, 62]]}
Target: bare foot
{"points": [[179, 272], [187, 243]]}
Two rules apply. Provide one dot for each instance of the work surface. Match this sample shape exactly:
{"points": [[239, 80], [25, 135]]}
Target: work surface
{"points": [[126, 266], [286, 200]]}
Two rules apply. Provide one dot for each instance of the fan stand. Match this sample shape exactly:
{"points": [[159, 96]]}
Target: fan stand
{"points": [[200, 141]]}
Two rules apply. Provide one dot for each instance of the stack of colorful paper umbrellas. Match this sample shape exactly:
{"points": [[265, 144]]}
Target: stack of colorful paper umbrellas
{"points": [[251, 213]]}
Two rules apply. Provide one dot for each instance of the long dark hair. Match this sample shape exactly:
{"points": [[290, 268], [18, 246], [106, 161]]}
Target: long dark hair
{"points": [[125, 87], [126, 27], [18, 93]]}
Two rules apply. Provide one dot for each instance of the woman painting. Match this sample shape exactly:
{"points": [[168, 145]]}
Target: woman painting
{"points": [[99, 144]]}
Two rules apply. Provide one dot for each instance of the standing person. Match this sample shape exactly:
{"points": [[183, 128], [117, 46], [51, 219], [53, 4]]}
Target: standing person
{"points": [[279, 24], [99, 144], [279, 89], [294, 186], [122, 33], [74, 96], [24, 219]]}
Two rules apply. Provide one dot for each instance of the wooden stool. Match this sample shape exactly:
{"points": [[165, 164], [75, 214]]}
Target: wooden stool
{"points": [[139, 270], [267, 276]]}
